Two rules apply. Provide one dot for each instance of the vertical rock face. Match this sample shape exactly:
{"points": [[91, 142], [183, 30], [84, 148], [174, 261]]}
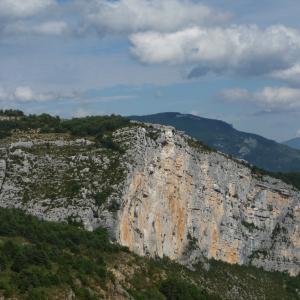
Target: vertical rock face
{"points": [[188, 204], [166, 196]]}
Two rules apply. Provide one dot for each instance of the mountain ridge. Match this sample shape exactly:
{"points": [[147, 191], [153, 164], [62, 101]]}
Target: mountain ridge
{"points": [[293, 143], [257, 150]]}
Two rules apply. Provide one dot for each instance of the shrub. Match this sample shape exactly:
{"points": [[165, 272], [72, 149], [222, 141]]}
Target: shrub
{"points": [[101, 197], [179, 289]]}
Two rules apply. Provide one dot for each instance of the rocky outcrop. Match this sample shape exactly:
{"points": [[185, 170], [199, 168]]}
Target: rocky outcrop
{"points": [[169, 197], [57, 179], [187, 203]]}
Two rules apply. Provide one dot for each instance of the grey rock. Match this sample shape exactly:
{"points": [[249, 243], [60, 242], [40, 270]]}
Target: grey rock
{"points": [[175, 198]]}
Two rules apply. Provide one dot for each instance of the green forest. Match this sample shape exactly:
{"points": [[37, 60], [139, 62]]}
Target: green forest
{"points": [[40, 260]]}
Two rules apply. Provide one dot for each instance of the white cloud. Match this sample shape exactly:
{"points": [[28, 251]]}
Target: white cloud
{"points": [[30, 17], [23, 8], [51, 28], [27, 94], [245, 50], [23, 94], [127, 16], [269, 97], [283, 96], [291, 75], [168, 32], [45, 28], [298, 133]]}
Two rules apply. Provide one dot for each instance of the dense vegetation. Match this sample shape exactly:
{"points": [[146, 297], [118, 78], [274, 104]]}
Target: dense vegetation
{"points": [[292, 178], [39, 258], [99, 127], [44, 260], [11, 113]]}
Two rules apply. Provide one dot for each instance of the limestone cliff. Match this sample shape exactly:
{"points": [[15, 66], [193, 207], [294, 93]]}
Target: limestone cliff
{"points": [[168, 196]]}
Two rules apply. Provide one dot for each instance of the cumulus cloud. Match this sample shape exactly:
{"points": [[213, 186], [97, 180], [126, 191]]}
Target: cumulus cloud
{"points": [[291, 75], [24, 93], [23, 8], [246, 50], [269, 97], [128, 16], [27, 94], [173, 32]]}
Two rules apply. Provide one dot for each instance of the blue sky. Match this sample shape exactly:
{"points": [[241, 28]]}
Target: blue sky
{"points": [[235, 60]]}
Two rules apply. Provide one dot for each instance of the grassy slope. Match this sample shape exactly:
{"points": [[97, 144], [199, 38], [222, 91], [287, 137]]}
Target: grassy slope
{"points": [[44, 260]]}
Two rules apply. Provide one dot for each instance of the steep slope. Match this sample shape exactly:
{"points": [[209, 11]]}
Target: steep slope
{"points": [[257, 150], [293, 143], [163, 195], [44, 261]]}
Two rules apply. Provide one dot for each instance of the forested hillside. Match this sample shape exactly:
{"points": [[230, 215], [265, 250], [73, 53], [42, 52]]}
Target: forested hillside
{"points": [[43, 260]]}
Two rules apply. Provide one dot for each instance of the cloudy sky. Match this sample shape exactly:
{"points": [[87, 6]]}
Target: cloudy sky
{"points": [[235, 60]]}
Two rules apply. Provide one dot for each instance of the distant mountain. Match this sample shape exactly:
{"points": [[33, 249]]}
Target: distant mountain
{"points": [[257, 150], [293, 143]]}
